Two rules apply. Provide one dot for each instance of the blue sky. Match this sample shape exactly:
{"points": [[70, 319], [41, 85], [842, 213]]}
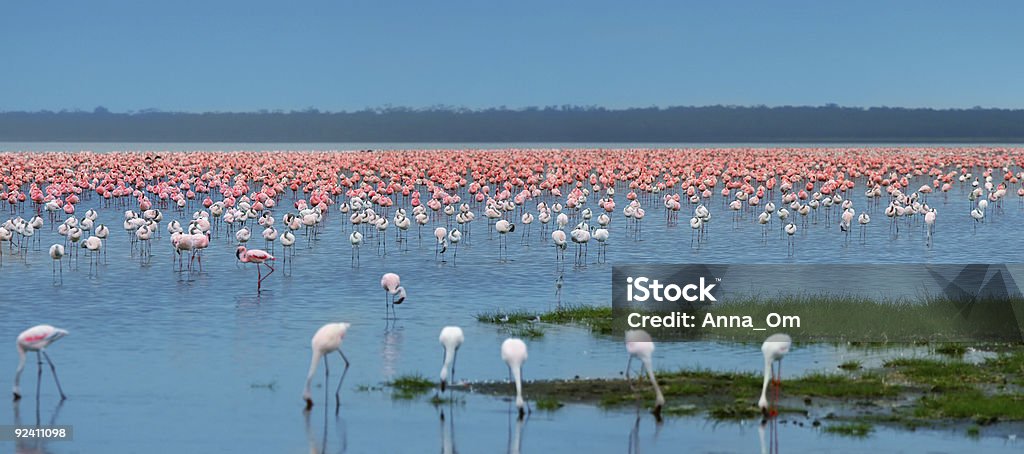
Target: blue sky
{"points": [[342, 55]]}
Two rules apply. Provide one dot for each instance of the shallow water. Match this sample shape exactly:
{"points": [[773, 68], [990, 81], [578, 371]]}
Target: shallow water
{"points": [[197, 361]]}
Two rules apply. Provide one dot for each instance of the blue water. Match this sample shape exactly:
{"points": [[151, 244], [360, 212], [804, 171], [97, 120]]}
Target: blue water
{"points": [[197, 361]]}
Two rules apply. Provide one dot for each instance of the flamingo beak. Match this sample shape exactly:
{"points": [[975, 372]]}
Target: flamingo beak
{"points": [[309, 403], [17, 397], [443, 384]]}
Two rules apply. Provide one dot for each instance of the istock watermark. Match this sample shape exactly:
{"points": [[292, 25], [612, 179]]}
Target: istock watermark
{"points": [[831, 302]]}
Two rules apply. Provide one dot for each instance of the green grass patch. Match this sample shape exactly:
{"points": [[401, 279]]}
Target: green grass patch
{"points": [[850, 365], [941, 375], [597, 318], [528, 331], [739, 409], [974, 431], [405, 387], [503, 317], [1009, 366], [856, 429], [548, 404], [954, 350], [839, 386], [983, 409]]}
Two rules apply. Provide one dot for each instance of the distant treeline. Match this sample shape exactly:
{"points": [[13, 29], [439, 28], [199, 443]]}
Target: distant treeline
{"points": [[828, 123]]}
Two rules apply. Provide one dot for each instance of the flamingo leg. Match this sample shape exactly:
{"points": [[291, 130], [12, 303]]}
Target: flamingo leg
{"points": [[53, 369], [337, 392], [259, 277]]}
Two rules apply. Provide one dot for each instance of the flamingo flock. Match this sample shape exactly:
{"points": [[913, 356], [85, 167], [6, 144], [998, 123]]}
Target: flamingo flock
{"points": [[570, 196]]}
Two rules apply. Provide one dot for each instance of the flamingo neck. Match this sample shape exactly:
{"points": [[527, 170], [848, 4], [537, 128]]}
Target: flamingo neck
{"points": [[517, 376], [659, 398], [21, 366], [767, 378], [312, 370], [449, 357]]}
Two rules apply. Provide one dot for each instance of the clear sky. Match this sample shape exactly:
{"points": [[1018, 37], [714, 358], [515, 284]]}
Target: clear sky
{"points": [[342, 55]]}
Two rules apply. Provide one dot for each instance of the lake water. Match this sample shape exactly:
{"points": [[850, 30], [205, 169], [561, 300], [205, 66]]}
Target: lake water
{"points": [[164, 360]]}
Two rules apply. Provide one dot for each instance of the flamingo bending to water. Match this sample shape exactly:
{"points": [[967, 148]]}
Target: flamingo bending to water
{"points": [[451, 338], [326, 340], [513, 352], [774, 349], [36, 339]]}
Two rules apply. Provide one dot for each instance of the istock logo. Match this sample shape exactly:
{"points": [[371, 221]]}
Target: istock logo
{"points": [[641, 289]]}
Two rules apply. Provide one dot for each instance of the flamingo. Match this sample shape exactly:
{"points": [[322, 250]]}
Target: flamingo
{"points": [[394, 293], [581, 237], [57, 253], [356, 239], [287, 242], [601, 236], [270, 235], [640, 346], [5, 235], [929, 220], [93, 244], [513, 352], [863, 219], [440, 234], [258, 257], [558, 237], [454, 237], [36, 339], [791, 230], [774, 349], [503, 227], [451, 338], [979, 216], [327, 340]]}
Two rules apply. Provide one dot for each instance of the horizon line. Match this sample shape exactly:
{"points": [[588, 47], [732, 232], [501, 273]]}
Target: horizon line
{"points": [[100, 109]]}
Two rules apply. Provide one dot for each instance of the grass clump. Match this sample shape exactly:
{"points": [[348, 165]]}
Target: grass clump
{"points": [[939, 374], [973, 431], [856, 429], [501, 317], [740, 409], [975, 405], [839, 386], [954, 350], [597, 318], [529, 331], [410, 386], [850, 365], [548, 404]]}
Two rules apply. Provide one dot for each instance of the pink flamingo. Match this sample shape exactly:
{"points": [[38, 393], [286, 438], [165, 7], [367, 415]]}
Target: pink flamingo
{"points": [[774, 349], [36, 339], [326, 340], [394, 293], [259, 257]]}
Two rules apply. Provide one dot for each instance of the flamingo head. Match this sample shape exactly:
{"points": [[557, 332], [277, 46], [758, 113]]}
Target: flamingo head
{"points": [[401, 295]]}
